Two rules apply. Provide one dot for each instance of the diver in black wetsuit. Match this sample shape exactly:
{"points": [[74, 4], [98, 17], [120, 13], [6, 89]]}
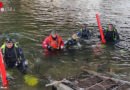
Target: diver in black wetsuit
{"points": [[13, 55]]}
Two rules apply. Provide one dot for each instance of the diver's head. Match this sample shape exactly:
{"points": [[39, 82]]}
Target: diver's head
{"points": [[110, 27], [74, 36], [54, 33], [9, 42]]}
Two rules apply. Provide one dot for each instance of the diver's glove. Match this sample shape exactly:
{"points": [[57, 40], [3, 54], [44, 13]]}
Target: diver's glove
{"points": [[50, 48]]}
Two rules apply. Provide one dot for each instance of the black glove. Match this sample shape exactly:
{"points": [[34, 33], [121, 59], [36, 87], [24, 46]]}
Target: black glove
{"points": [[21, 66], [50, 48]]}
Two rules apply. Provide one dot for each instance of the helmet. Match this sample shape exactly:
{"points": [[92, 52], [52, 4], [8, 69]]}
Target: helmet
{"points": [[83, 26], [110, 24], [8, 40], [54, 32]]}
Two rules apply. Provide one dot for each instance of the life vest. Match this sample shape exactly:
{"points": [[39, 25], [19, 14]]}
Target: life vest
{"points": [[55, 43], [15, 46], [84, 33]]}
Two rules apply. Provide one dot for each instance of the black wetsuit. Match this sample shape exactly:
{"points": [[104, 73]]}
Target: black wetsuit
{"points": [[70, 42], [14, 57], [111, 36]]}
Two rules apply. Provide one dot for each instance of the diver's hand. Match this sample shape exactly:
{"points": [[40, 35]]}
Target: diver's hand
{"points": [[50, 48], [61, 47], [18, 62], [79, 45]]}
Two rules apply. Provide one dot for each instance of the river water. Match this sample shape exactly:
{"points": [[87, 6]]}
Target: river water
{"points": [[30, 21]]}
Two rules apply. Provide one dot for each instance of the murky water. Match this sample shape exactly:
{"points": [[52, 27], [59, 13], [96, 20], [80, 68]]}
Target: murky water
{"points": [[30, 21]]}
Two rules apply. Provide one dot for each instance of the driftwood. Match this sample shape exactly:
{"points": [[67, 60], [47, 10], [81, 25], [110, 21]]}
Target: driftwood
{"points": [[59, 85]]}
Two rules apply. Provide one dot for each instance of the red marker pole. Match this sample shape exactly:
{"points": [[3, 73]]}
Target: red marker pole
{"points": [[1, 5], [3, 72], [100, 28]]}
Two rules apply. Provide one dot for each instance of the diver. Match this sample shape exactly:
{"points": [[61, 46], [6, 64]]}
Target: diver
{"points": [[13, 55], [73, 41], [84, 33], [110, 34], [53, 42]]}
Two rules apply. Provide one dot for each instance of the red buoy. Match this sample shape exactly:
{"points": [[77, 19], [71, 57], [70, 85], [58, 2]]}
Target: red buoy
{"points": [[2, 70], [100, 28]]}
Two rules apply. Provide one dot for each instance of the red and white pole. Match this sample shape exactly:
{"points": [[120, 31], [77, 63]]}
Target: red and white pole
{"points": [[1, 7], [2, 70], [100, 28]]}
